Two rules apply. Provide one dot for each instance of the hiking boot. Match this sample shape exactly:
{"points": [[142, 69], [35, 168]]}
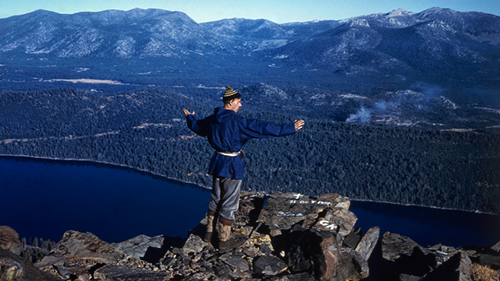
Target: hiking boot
{"points": [[225, 240], [210, 228]]}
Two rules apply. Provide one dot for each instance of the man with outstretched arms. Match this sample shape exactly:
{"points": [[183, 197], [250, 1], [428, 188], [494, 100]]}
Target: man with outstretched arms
{"points": [[226, 133]]}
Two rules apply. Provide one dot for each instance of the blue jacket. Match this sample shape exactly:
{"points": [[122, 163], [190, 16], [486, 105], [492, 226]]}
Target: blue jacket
{"points": [[228, 132]]}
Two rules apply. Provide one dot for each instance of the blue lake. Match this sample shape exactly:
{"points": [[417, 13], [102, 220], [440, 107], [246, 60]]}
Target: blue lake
{"points": [[44, 198], [41, 198]]}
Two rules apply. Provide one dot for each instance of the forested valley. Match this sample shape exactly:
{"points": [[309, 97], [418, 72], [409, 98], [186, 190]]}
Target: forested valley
{"points": [[145, 129]]}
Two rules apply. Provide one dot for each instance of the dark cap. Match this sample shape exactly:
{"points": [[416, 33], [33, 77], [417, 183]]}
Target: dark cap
{"points": [[230, 94]]}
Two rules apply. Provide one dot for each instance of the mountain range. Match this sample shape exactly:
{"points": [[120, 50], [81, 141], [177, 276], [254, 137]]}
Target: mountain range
{"points": [[378, 57], [439, 38]]}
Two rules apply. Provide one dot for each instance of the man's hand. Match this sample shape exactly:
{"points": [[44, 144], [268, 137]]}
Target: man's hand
{"points": [[298, 124], [186, 112]]}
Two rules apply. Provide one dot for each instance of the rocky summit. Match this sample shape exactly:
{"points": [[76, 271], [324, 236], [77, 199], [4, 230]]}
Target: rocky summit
{"points": [[289, 236]]}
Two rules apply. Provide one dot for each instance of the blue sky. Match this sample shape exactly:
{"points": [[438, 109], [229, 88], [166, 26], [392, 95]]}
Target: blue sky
{"points": [[279, 11]]}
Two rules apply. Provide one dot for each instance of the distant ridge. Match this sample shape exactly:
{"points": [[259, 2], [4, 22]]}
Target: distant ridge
{"points": [[437, 45]]}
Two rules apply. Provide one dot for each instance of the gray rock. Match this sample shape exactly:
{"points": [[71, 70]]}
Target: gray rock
{"points": [[13, 267], [223, 272], [353, 238], [329, 257], [368, 242], [9, 238], [251, 204], [442, 252], [337, 220], [351, 266], [401, 255], [337, 200], [395, 245], [407, 277], [300, 250], [84, 249], [313, 251], [457, 268], [283, 210], [122, 273], [235, 260], [491, 261], [496, 247], [269, 265], [194, 244], [138, 246], [49, 261], [63, 271], [259, 244], [77, 254], [251, 251], [317, 252]]}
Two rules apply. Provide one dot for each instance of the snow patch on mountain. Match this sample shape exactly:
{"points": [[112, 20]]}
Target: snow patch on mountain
{"points": [[271, 44], [399, 12], [125, 48]]}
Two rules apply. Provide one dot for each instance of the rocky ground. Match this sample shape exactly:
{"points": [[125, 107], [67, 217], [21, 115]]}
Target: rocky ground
{"points": [[293, 237]]}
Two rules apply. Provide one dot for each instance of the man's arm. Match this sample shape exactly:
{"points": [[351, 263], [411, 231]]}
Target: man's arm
{"points": [[200, 127], [252, 128]]}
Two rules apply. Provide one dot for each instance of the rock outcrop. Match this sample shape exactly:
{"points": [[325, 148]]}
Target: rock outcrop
{"points": [[9, 239], [289, 236]]}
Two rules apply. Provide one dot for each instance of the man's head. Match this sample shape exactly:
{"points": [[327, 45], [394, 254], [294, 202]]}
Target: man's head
{"points": [[231, 99]]}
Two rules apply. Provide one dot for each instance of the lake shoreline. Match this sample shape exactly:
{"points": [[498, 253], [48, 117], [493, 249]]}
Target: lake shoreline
{"points": [[90, 161]]}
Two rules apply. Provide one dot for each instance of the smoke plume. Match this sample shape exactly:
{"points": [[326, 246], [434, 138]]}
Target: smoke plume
{"points": [[362, 116]]}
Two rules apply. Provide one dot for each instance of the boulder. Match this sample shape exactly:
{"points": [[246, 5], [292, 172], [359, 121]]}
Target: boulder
{"points": [[337, 200], [283, 210], [150, 249], [259, 244], [194, 244], [491, 261], [351, 266], [49, 261], [496, 247], [84, 249], [442, 252], [251, 204], [488, 256], [327, 259], [457, 268], [367, 244], [338, 220], [9, 238], [353, 238], [403, 256], [13, 267], [223, 272], [269, 265], [235, 260], [78, 254], [318, 253]]}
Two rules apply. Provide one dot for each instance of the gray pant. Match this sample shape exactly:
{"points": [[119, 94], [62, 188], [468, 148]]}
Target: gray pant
{"points": [[225, 197]]}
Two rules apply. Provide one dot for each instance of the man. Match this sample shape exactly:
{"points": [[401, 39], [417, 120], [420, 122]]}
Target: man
{"points": [[227, 132]]}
